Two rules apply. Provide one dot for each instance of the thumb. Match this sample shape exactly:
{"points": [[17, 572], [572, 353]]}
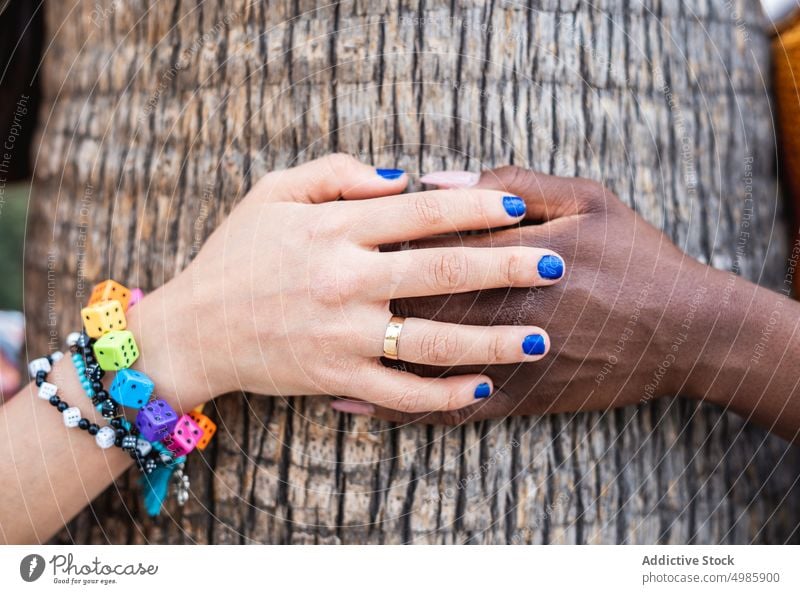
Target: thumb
{"points": [[328, 178]]}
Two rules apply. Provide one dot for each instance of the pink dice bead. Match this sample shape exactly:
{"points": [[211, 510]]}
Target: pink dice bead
{"points": [[136, 296], [184, 437]]}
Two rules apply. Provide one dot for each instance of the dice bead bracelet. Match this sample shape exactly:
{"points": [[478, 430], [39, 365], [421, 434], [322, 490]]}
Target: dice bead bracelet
{"points": [[40, 369], [160, 439]]}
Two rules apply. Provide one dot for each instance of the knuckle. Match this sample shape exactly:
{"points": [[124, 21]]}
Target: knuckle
{"points": [[510, 271], [496, 350], [427, 210], [590, 194], [448, 270], [332, 287], [514, 179], [340, 161], [475, 205], [350, 283], [328, 228], [438, 348], [408, 401], [324, 289]]}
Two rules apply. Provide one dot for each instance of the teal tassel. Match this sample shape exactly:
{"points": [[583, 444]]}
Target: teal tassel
{"points": [[155, 487]]}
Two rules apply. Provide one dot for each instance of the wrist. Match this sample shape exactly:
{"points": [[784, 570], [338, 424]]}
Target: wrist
{"points": [[718, 361], [171, 348], [690, 341]]}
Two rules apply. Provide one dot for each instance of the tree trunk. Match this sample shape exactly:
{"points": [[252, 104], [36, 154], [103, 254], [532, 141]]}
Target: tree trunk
{"points": [[158, 118]]}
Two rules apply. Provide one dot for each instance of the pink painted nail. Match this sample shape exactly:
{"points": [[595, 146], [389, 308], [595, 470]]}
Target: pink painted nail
{"points": [[353, 407], [451, 179]]}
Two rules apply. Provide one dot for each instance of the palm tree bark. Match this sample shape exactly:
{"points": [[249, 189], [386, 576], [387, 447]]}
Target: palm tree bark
{"points": [[156, 119]]}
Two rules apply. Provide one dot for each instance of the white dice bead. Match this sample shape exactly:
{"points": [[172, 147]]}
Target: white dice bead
{"points": [[46, 390], [143, 447], [56, 357], [37, 365], [71, 416], [105, 437], [72, 338]]}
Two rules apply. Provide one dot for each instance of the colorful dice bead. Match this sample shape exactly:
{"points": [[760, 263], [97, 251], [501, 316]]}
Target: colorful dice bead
{"points": [[105, 437], [156, 420], [37, 365], [100, 318], [47, 390], [72, 416], [116, 350], [109, 290], [131, 388], [136, 296], [184, 437], [208, 427]]}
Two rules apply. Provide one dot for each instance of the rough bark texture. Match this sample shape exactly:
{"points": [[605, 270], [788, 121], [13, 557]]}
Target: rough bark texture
{"points": [[157, 118]]}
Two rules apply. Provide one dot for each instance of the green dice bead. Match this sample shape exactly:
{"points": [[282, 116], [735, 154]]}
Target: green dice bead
{"points": [[116, 350]]}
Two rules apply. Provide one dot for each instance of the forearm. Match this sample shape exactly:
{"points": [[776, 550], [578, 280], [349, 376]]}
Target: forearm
{"points": [[50, 472], [750, 359]]}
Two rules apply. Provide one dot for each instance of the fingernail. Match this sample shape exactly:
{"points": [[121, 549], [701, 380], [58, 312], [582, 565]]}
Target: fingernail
{"points": [[483, 390], [389, 173], [533, 344], [352, 407], [514, 205], [551, 267], [451, 179]]}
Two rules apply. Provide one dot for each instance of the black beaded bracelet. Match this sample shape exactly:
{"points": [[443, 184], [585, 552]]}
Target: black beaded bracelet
{"points": [[117, 433]]}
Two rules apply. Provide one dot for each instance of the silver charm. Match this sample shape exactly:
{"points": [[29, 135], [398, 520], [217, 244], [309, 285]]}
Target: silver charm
{"points": [[181, 485], [166, 457]]}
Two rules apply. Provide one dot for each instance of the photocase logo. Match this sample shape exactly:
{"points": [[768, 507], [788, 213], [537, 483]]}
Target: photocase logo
{"points": [[31, 567]]}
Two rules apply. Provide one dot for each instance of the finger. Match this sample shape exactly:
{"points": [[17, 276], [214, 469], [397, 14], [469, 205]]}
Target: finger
{"points": [[445, 344], [422, 214], [547, 197], [439, 343], [500, 405], [329, 178], [451, 179], [558, 235], [417, 273], [406, 392]]}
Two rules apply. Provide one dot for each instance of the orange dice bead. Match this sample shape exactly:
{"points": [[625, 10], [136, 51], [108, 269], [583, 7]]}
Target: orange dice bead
{"points": [[207, 425], [110, 290], [103, 317]]}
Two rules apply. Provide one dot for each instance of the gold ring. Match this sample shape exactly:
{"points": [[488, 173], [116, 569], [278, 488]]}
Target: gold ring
{"points": [[391, 338]]}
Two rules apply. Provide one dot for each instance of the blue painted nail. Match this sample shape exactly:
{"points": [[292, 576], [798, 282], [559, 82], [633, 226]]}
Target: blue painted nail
{"points": [[533, 344], [389, 173], [514, 205], [482, 391], [551, 267]]}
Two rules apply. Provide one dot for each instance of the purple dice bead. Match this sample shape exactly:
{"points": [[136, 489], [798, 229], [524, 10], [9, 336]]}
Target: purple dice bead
{"points": [[156, 420], [184, 437]]}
